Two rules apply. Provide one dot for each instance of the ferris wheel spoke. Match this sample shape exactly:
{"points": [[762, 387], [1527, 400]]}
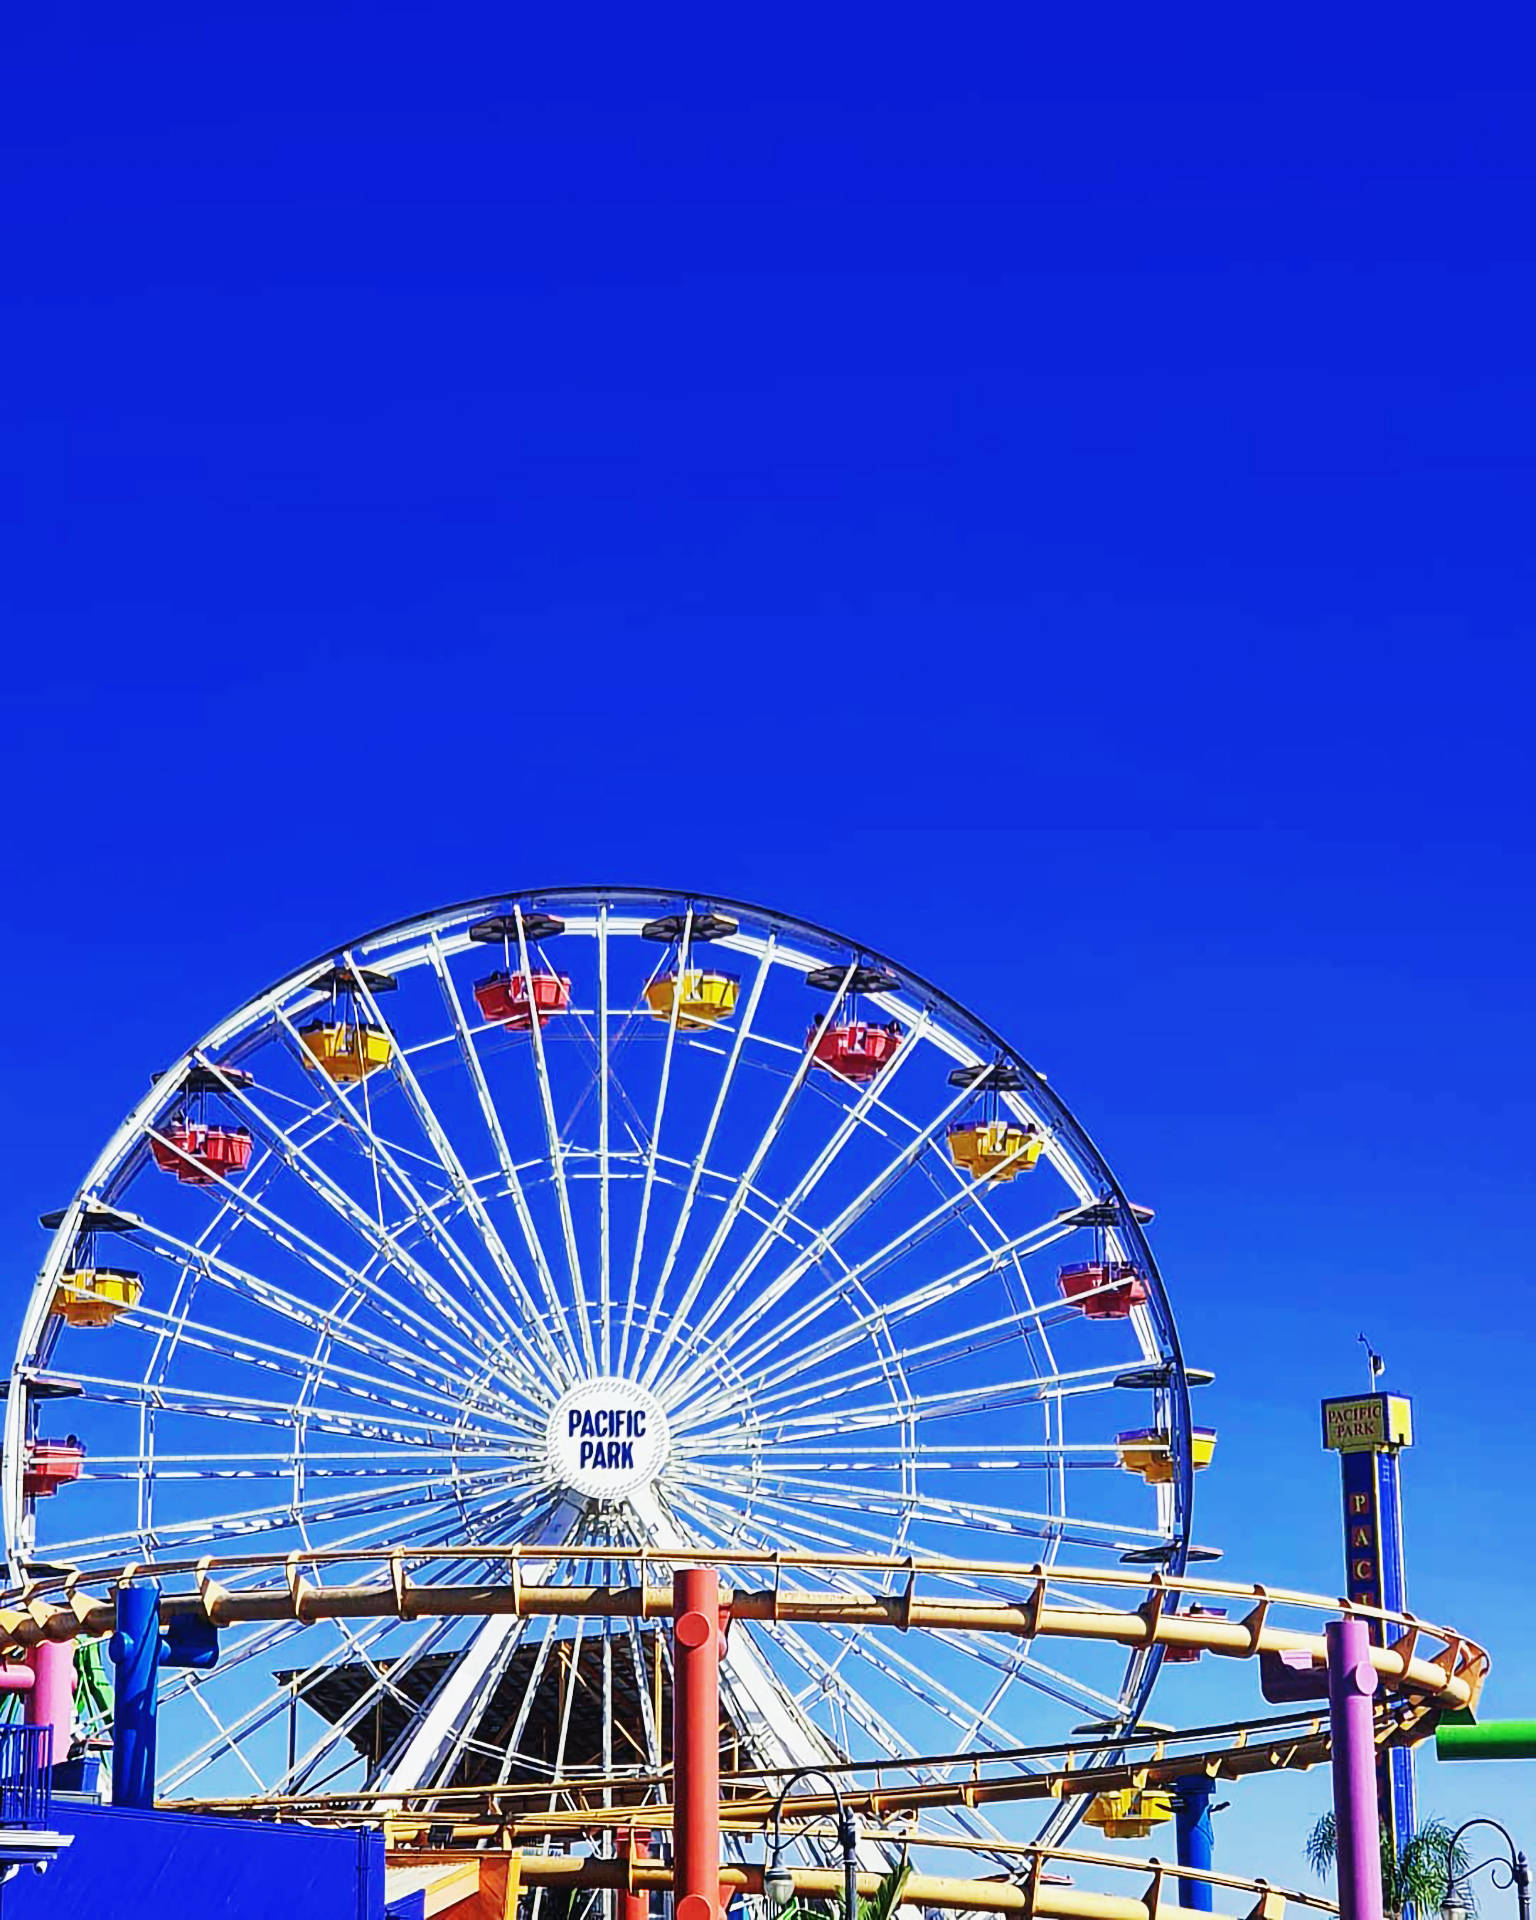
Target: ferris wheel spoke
{"points": [[554, 1334], [302, 1163], [258, 1213], [556, 1150], [970, 1457], [964, 1342], [700, 1163], [420, 1334], [464, 1189], [208, 1403], [653, 1144], [727, 1524], [823, 1243], [856, 1116], [604, 1102], [938, 1699], [757, 1366], [743, 1189], [313, 1370], [913, 1409], [109, 1548], [816, 1490], [513, 1751]]}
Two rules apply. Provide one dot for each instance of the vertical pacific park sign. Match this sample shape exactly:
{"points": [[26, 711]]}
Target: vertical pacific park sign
{"points": [[1361, 1430], [1368, 1431]]}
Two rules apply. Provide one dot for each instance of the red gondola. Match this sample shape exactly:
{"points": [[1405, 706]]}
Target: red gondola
{"points": [[504, 997], [1105, 1289], [49, 1465], [856, 1049], [206, 1153], [1187, 1656]]}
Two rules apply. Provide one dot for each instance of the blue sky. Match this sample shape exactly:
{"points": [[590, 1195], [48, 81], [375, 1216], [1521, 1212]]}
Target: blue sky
{"points": [[1055, 507]]}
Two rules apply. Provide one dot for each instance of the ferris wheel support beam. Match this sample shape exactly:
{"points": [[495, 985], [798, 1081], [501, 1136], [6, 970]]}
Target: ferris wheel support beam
{"points": [[460, 1698], [772, 1725]]}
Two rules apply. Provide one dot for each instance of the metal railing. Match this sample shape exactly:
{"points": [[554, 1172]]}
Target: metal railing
{"points": [[26, 1776]]}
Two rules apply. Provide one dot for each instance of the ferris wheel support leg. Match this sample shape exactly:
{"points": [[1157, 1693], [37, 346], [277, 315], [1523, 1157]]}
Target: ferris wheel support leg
{"points": [[1351, 1687], [1192, 1830], [696, 1743]]}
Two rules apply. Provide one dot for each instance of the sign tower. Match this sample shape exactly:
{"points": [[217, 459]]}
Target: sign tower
{"points": [[1368, 1432]]}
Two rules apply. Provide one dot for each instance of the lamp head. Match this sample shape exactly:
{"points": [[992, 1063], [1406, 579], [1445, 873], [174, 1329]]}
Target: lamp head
{"points": [[778, 1882], [1455, 1905]]}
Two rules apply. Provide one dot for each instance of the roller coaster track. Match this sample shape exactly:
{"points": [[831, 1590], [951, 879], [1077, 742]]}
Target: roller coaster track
{"points": [[1424, 1670], [1039, 1888]]}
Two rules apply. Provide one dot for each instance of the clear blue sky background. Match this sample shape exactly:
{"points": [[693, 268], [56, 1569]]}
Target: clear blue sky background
{"points": [[1053, 504]]}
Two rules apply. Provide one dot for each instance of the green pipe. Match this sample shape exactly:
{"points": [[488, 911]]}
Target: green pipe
{"points": [[1459, 1739]]}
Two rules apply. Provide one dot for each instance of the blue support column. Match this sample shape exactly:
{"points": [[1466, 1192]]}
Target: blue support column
{"points": [[135, 1655], [1192, 1834]]}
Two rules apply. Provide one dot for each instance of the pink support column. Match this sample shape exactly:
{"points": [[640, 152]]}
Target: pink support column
{"points": [[51, 1702], [1351, 1686], [696, 1744]]}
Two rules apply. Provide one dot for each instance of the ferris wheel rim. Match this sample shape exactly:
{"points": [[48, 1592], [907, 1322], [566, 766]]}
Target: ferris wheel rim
{"points": [[112, 1173]]}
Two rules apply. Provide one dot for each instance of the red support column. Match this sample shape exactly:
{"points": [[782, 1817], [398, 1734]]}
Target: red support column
{"points": [[696, 1744], [635, 1844]]}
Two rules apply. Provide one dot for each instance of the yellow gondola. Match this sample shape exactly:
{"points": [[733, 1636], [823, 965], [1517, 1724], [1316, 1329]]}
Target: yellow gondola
{"points": [[95, 1296], [1147, 1452], [347, 1051], [994, 1149], [1129, 1813], [702, 998]]}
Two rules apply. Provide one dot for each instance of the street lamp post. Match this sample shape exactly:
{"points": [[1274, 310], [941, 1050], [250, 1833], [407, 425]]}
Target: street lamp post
{"points": [[779, 1881], [1455, 1905]]}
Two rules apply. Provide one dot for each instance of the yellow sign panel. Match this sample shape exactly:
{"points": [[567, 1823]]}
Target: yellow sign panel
{"points": [[1369, 1423]]}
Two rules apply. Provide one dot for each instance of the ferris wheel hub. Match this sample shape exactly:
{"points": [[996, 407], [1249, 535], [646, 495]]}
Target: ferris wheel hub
{"points": [[607, 1439]]}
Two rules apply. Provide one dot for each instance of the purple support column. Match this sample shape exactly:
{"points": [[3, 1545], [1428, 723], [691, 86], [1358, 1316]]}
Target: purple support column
{"points": [[1351, 1685]]}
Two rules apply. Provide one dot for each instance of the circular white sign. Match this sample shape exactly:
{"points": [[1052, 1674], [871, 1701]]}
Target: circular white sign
{"points": [[607, 1438]]}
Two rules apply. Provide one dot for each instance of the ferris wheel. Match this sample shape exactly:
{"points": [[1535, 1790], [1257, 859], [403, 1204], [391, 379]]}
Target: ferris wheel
{"points": [[619, 1222]]}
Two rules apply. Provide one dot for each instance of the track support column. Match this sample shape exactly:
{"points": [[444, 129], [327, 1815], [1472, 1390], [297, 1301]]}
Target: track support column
{"points": [[1192, 1831], [1351, 1687], [634, 1903], [135, 1652], [51, 1702], [696, 1743]]}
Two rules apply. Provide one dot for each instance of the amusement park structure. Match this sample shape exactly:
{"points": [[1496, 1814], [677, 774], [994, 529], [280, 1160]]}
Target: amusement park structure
{"points": [[543, 1378]]}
